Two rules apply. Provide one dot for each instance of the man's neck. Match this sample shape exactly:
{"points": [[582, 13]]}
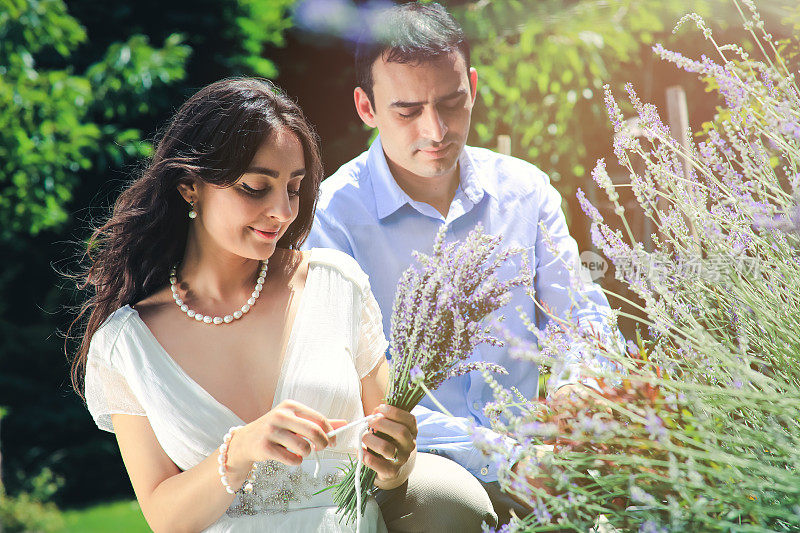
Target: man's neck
{"points": [[437, 191]]}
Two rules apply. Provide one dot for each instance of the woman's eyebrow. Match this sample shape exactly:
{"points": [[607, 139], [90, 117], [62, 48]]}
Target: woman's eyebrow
{"points": [[273, 173]]}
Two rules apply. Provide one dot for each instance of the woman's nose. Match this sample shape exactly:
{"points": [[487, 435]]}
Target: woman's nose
{"points": [[280, 206]]}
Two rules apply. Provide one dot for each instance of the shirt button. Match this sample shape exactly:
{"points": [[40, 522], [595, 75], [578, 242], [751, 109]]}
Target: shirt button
{"points": [[485, 471], [476, 405]]}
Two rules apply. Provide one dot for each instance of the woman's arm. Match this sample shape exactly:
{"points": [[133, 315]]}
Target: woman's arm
{"points": [[177, 501], [391, 460]]}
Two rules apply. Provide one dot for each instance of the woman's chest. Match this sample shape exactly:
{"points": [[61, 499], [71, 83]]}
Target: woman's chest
{"points": [[240, 369]]}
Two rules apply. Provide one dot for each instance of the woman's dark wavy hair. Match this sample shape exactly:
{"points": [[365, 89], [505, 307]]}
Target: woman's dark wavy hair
{"points": [[214, 137]]}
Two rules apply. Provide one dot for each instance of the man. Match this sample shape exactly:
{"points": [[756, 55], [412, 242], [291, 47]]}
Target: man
{"points": [[417, 88]]}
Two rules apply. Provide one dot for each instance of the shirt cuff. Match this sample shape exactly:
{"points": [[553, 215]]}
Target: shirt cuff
{"points": [[484, 466]]}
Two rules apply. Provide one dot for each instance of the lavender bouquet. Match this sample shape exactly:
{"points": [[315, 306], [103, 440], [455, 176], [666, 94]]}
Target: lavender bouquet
{"points": [[437, 322]]}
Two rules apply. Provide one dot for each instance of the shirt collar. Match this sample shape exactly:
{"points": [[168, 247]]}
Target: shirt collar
{"points": [[473, 183], [389, 197]]}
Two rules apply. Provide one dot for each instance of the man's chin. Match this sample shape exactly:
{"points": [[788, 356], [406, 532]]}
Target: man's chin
{"points": [[436, 170]]}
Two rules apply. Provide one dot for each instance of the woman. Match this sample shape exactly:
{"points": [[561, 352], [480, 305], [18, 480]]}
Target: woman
{"points": [[205, 317]]}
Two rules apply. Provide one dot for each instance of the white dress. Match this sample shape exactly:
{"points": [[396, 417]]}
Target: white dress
{"points": [[336, 339]]}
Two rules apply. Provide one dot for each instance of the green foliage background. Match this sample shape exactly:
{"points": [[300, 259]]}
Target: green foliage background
{"points": [[543, 65], [85, 86], [82, 91]]}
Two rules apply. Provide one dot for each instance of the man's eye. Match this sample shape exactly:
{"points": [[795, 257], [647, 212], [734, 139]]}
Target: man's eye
{"points": [[409, 115], [459, 102], [294, 192]]}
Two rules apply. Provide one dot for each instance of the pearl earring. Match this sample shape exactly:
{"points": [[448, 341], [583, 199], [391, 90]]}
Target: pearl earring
{"points": [[192, 213]]}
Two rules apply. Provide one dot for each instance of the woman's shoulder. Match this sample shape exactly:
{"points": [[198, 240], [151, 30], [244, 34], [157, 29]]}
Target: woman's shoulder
{"points": [[341, 263], [105, 338]]}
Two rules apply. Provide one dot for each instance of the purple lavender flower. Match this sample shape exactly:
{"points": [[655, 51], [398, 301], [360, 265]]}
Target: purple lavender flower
{"points": [[439, 305], [542, 514], [590, 210], [416, 375], [648, 526]]}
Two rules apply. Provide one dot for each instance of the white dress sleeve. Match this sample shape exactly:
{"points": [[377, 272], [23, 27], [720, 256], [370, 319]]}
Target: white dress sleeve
{"points": [[372, 343], [106, 389]]}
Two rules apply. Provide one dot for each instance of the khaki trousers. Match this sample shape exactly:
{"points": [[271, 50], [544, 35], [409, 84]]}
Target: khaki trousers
{"points": [[441, 496]]}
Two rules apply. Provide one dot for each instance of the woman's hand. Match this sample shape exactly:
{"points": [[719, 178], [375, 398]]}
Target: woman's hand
{"points": [[391, 441], [287, 433]]}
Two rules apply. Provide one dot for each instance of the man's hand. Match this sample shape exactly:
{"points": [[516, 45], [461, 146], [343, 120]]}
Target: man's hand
{"points": [[524, 468], [564, 392], [579, 396]]}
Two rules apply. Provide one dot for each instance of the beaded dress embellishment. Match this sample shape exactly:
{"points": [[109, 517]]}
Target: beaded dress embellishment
{"points": [[276, 487]]}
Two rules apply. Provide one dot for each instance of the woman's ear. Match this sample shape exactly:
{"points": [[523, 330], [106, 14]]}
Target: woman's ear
{"points": [[188, 188]]}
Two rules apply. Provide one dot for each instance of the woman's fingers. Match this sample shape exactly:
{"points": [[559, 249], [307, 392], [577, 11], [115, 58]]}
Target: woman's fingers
{"points": [[280, 453], [291, 441], [291, 431], [399, 433], [336, 423], [308, 413], [384, 468], [398, 415], [305, 422], [304, 428], [391, 441], [388, 450]]}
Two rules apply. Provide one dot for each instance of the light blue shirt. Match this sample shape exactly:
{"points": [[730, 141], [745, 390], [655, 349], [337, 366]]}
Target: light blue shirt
{"points": [[364, 213]]}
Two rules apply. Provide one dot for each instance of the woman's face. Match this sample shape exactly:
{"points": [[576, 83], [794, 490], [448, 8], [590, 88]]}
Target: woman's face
{"points": [[249, 217]]}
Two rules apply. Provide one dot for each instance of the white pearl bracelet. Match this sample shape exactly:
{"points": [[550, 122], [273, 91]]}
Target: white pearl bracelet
{"points": [[222, 458]]}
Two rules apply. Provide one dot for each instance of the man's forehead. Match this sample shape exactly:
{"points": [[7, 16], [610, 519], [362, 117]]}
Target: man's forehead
{"points": [[440, 78]]}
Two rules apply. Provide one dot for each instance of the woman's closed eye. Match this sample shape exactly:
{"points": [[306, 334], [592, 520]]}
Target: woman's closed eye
{"points": [[253, 191]]}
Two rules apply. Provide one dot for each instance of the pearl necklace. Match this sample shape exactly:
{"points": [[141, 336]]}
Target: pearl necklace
{"points": [[217, 320]]}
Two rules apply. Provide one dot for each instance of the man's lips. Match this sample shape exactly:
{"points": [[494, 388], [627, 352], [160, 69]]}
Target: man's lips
{"points": [[268, 235], [436, 152]]}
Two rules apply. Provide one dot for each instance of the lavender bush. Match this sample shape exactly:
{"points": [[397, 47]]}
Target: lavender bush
{"points": [[437, 321], [700, 428]]}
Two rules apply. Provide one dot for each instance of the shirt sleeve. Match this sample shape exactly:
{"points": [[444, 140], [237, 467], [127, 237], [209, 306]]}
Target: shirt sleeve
{"points": [[372, 343], [450, 437], [107, 392], [326, 233], [566, 295]]}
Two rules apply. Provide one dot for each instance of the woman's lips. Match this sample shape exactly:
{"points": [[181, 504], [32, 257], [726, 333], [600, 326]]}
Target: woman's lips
{"points": [[267, 235]]}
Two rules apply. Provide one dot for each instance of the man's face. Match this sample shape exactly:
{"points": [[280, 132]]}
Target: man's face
{"points": [[422, 112]]}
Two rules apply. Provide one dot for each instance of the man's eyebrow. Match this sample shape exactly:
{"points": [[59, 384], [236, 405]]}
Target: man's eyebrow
{"points": [[452, 95], [273, 173]]}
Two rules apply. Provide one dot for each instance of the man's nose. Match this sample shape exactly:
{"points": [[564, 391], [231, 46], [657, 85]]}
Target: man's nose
{"points": [[433, 127]]}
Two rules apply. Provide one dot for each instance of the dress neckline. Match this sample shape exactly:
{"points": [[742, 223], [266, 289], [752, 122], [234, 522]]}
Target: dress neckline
{"points": [[199, 388]]}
